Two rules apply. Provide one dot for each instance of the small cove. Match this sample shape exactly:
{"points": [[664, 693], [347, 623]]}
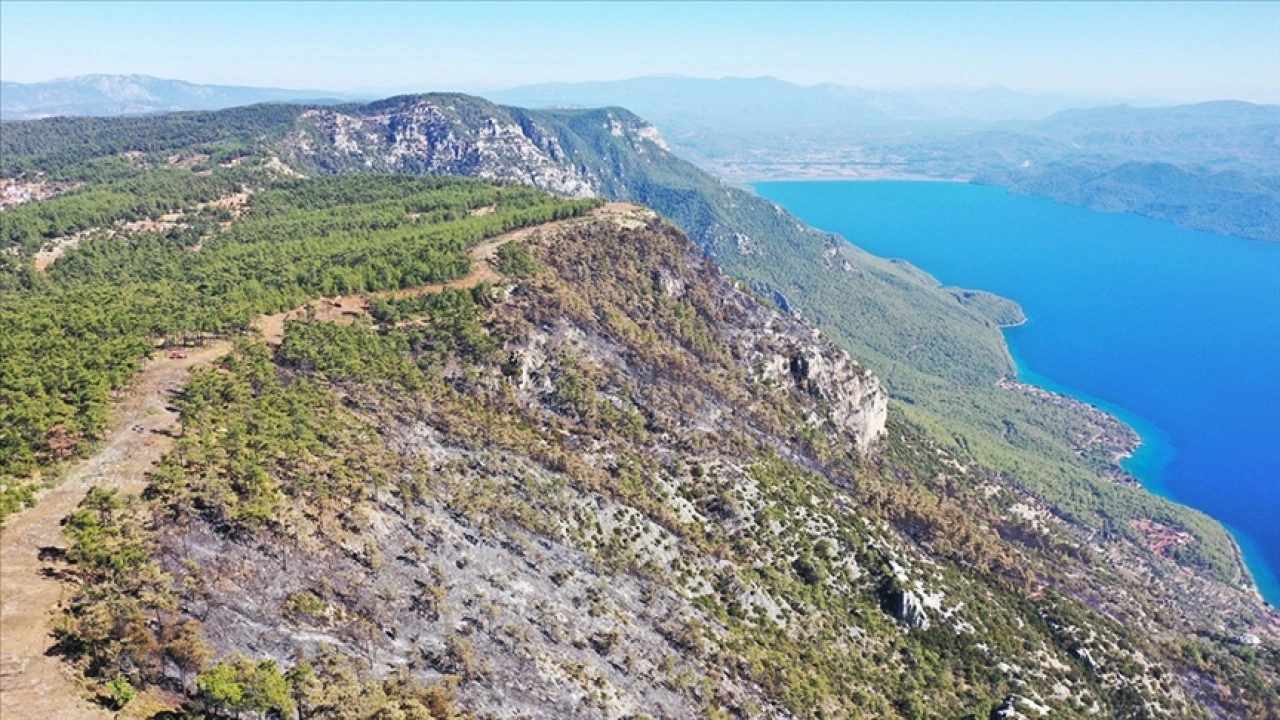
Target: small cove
{"points": [[1176, 332]]}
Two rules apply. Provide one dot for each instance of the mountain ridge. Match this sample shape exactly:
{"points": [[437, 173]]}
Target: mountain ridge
{"points": [[754, 134], [108, 90], [991, 495], [762, 128], [108, 95]]}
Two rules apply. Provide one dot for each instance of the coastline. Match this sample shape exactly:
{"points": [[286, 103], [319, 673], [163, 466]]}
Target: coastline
{"points": [[748, 179], [1264, 582], [807, 172], [1008, 326], [1150, 458], [744, 173], [1148, 463]]}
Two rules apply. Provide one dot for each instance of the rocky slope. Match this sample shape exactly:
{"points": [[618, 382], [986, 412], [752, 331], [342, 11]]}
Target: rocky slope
{"points": [[583, 154], [509, 553], [939, 350], [631, 440], [635, 493]]}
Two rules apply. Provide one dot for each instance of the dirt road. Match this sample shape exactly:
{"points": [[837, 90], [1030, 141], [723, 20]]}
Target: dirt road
{"points": [[37, 686], [484, 261], [32, 684]]}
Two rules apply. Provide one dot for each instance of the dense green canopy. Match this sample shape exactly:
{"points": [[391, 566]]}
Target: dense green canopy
{"points": [[77, 331]]}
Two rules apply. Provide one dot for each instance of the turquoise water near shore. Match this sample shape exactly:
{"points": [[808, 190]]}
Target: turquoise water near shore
{"points": [[1150, 461], [1177, 332]]}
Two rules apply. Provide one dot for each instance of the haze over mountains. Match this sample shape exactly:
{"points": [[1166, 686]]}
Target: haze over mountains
{"points": [[662, 99], [771, 106], [135, 95], [1210, 166], [417, 489]]}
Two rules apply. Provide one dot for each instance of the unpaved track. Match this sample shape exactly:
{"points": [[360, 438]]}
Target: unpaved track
{"points": [[33, 684], [38, 686], [483, 256]]}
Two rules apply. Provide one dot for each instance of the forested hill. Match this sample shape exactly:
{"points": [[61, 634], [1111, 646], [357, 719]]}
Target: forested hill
{"points": [[158, 259], [183, 227]]}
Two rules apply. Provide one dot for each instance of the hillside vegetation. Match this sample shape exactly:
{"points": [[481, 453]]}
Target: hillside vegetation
{"points": [[613, 484], [586, 496], [942, 358], [77, 332]]}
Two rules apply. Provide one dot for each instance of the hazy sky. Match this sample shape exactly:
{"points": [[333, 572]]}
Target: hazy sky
{"points": [[1180, 51]]}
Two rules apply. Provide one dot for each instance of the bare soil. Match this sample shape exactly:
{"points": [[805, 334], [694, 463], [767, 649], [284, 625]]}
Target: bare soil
{"points": [[56, 248], [33, 683], [347, 308], [33, 581]]}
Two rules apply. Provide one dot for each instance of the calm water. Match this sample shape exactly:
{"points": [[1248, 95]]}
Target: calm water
{"points": [[1175, 331]]}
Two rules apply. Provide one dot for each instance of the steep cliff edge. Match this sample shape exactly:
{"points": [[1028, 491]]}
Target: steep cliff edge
{"points": [[556, 543], [619, 412], [614, 485], [938, 350]]}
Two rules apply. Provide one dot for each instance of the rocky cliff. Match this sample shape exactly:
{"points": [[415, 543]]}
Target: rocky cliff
{"points": [[566, 573], [629, 493], [619, 485], [460, 135]]}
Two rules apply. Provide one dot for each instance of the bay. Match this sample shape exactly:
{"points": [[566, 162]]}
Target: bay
{"points": [[1177, 332]]}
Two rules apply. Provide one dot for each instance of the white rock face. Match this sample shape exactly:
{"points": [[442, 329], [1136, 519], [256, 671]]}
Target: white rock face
{"points": [[911, 611], [651, 134], [1247, 639], [448, 135], [1086, 657], [1008, 709], [855, 401], [427, 137]]}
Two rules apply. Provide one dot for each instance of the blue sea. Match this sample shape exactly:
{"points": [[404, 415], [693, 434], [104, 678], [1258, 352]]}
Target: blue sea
{"points": [[1175, 331]]}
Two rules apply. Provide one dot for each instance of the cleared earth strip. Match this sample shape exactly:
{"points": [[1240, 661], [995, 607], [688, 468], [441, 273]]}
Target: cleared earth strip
{"points": [[33, 581]]}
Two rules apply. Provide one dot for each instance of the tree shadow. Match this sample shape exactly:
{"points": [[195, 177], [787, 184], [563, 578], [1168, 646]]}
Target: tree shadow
{"points": [[52, 553]]}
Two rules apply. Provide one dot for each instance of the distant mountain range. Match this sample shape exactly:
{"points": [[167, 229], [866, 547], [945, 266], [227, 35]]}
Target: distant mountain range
{"points": [[664, 99], [764, 119], [109, 95], [1211, 166], [682, 105]]}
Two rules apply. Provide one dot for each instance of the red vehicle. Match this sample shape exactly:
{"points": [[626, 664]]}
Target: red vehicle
{"points": [[177, 355]]}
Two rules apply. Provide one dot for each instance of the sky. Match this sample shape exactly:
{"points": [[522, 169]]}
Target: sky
{"points": [[1180, 51]]}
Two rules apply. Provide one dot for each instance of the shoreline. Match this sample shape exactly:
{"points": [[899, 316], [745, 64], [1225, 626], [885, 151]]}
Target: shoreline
{"points": [[805, 172], [1006, 326], [1147, 464], [1154, 442], [897, 177], [854, 174]]}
